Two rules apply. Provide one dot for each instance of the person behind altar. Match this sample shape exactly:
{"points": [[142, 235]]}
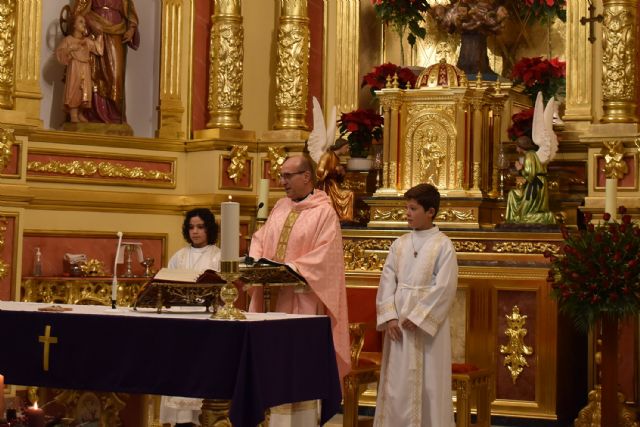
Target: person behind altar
{"points": [[303, 231], [417, 287], [200, 230]]}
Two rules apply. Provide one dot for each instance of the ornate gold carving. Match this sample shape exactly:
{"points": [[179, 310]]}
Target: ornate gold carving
{"points": [[226, 69], [347, 77], [366, 255], [62, 291], [292, 67], [460, 175], [238, 157], [277, 156], [398, 214], [526, 247], [618, 61], [7, 139], [215, 413], [614, 165], [7, 41], [516, 350], [87, 406], [4, 268], [456, 215], [476, 176], [469, 246], [93, 267], [393, 175], [591, 415], [432, 156], [106, 169]]}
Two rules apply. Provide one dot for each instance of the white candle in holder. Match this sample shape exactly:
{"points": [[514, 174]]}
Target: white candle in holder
{"points": [[230, 234], [263, 197]]}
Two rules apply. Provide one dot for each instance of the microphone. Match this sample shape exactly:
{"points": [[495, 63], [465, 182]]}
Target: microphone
{"points": [[114, 283]]}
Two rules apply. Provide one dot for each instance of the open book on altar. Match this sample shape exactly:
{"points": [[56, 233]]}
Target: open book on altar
{"points": [[268, 272], [183, 275]]}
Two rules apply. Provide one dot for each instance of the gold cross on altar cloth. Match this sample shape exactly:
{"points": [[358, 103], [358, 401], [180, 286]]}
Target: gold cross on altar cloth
{"points": [[47, 340]]}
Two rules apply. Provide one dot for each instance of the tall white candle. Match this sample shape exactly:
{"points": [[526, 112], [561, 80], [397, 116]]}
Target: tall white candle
{"points": [[610, 197], [263, 197], [2, 404], [230, 234]]}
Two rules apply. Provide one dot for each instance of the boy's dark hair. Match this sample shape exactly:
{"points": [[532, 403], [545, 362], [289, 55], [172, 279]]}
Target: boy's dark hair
{"points": [[209, 224], [426, 195]]}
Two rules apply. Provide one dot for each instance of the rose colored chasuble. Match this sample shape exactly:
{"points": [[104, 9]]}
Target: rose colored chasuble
{"points": [[307, 236]]}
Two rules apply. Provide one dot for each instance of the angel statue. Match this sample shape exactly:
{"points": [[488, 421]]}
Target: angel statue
{"points": [[326, 154], [529, 201]]}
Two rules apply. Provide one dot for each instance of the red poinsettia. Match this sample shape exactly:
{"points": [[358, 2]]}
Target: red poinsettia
{"points": [[377, 79], [540, 75], [546, 10], [363, 126], [522, 124]]}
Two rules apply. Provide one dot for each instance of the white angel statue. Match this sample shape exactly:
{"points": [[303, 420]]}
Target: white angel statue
{"points": [[326, 154], [529, 201]]}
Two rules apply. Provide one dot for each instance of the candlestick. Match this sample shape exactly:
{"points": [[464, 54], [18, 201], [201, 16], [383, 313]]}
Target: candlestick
{"points": [[610, 196], [263, 197], [2, 403], [35, 416], [230, 225]]}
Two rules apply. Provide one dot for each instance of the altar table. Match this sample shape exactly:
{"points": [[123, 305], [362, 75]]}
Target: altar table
{"points": [[267, 360]]}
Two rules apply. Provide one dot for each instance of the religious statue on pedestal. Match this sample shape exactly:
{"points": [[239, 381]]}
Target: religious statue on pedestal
{"points": [[117, 22], [75, 52], [326, 154], [529, 201]]}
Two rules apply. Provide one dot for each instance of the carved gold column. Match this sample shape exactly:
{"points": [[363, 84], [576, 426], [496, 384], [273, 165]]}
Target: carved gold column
{"points": [[386, 114], [226, 55], [394, 143], [476, 107], [7, 63], [292, 69], [619, 61], [580, 65], [347, 54], [171, 109], [27, 60]]}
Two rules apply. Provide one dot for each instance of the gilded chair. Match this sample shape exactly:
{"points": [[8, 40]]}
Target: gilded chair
{"points": [[365, 369]]}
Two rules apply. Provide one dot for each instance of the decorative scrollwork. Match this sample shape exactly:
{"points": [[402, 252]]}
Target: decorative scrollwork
{"points": [[618, 53], [516, 350], [398, 214], [365, 255], [277, 156], [7, 41], [238, 160], [526, 247], [614, 165], [105, 169], [456, 215], [469, 246], [7, 139]]}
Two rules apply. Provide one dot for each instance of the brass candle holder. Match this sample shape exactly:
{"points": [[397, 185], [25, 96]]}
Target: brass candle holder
{"points": [[230, 272]]}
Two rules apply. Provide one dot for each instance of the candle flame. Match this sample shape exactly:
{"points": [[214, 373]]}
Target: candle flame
{"points": [[230, 197], [35, 405]]}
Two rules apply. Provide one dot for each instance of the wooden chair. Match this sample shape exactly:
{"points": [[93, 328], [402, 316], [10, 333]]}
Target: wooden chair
{"points": [[472, 384], [365, 369]]}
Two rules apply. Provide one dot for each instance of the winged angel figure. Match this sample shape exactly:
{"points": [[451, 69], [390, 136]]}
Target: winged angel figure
{"points": [[529, 201], [326, 154]]}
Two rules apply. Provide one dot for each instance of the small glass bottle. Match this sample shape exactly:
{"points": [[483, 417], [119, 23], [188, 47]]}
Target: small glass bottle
{"points": [[37, 263]]}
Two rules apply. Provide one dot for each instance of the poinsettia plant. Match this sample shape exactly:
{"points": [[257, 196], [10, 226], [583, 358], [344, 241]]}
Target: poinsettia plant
{"points": [[545, 10], [599, 272], [403, 15], [521, 124], [361, 127], [377, 78], [540, 75]]}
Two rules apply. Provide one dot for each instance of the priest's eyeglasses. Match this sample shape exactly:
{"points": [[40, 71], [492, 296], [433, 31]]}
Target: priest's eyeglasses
{"points": [[288, 175]]}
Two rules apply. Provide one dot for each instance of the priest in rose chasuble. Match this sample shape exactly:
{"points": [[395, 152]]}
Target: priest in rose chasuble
{"points": [[303, 231]]}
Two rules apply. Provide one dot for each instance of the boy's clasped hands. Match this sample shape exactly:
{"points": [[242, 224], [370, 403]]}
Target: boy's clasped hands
{"points": [[394, 328]]}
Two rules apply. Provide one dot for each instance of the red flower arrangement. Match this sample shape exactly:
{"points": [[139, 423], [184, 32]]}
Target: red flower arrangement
{"points": [[540, 75], [403, 15], [363, 126], [377, 79], [546, 10], [522, 123], [599, 273]]}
